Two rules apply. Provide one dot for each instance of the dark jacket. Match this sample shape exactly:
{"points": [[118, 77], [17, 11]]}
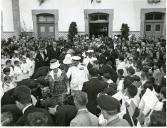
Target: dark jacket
{"points": [[40, 61], [53, 54], [92, 88], [65, 114]]}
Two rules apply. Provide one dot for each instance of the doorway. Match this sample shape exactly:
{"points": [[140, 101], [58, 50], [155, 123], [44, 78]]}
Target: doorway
{"points": [[153, 27], [98, 24], [46, 25], [98, 29]]}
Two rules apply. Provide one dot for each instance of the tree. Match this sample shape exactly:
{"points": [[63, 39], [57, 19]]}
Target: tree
{"points": [[125, 31], [72, 31]]}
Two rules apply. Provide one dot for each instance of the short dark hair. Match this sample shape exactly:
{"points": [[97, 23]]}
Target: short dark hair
{"points": [[15, 62], [93, 72], [121, 57], [132, 90], [5, 70], [8, 61], [37, 119], [121, 71], [128, 81], [22, 94]]}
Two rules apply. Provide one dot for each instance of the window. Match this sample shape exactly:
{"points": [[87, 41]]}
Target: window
{"points": [[98, 16], [158, 16], [148, 27], [149, 16], [42, 29], [157, 27], [51, 29], [44, 18], [154, 16]]}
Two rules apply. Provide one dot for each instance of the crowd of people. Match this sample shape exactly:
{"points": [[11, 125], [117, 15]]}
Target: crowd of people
{"points": [[92, 81]]}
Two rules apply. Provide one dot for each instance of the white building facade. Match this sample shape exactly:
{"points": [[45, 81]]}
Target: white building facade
{"points": [[53, 17]]}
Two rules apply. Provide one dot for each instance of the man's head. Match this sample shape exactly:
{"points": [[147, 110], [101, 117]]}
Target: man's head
{"points": [[109, 105], [16, 63], [6, 71], [131, 71], [22, 95], [8, 63], [80, 99], [37, 119], [76, 60], [131, 91], [7, 79], [93, 72]]}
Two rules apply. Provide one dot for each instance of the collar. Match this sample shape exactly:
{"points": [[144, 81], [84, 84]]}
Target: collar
{"points": [[113, 119], [82, 109], [26, 108]]}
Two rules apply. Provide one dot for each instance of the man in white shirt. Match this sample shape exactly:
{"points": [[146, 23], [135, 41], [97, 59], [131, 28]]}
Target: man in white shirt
{"points": [[122, 65], [89, 59], [25, 68], [17, 71], [78, 74]]}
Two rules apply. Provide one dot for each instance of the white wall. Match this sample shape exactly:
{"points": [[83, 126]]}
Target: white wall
{"points": [[7, 15], [125, 11]]}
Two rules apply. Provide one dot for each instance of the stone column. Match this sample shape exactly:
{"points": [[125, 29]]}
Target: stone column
{"points": [[16, 17]]}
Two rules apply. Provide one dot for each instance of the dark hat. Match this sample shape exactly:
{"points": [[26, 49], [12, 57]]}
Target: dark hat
{"points": [[53, 60], [107, 102], [131, 70]]}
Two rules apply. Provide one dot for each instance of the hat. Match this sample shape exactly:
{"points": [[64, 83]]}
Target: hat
{"points": [[54, 65], [107, 102], [76, 58], [53, 60], [89, 51], [67, 59], [131, 70]]}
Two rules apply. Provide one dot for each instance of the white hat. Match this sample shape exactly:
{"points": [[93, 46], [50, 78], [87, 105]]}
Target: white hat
{"points": [[67, 59], [76, 58], [89, 51], [54, 65]]}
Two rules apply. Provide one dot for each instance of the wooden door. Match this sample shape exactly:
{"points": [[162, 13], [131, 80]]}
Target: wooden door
{"points": [[46, 30], [153, 30]]}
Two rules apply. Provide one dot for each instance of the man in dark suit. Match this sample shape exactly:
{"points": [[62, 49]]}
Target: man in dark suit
{"points": [[54, 52], [41, 58], [107, 68], [22, 95], [92, 88], [65, 114]]}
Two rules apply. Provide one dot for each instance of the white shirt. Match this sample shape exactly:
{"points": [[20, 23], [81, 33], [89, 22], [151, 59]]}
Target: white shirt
{"points": [[17, 73], [120, 85], [79, 74], [88, 60], [122, 65], [31, 64], [25, 68]]}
